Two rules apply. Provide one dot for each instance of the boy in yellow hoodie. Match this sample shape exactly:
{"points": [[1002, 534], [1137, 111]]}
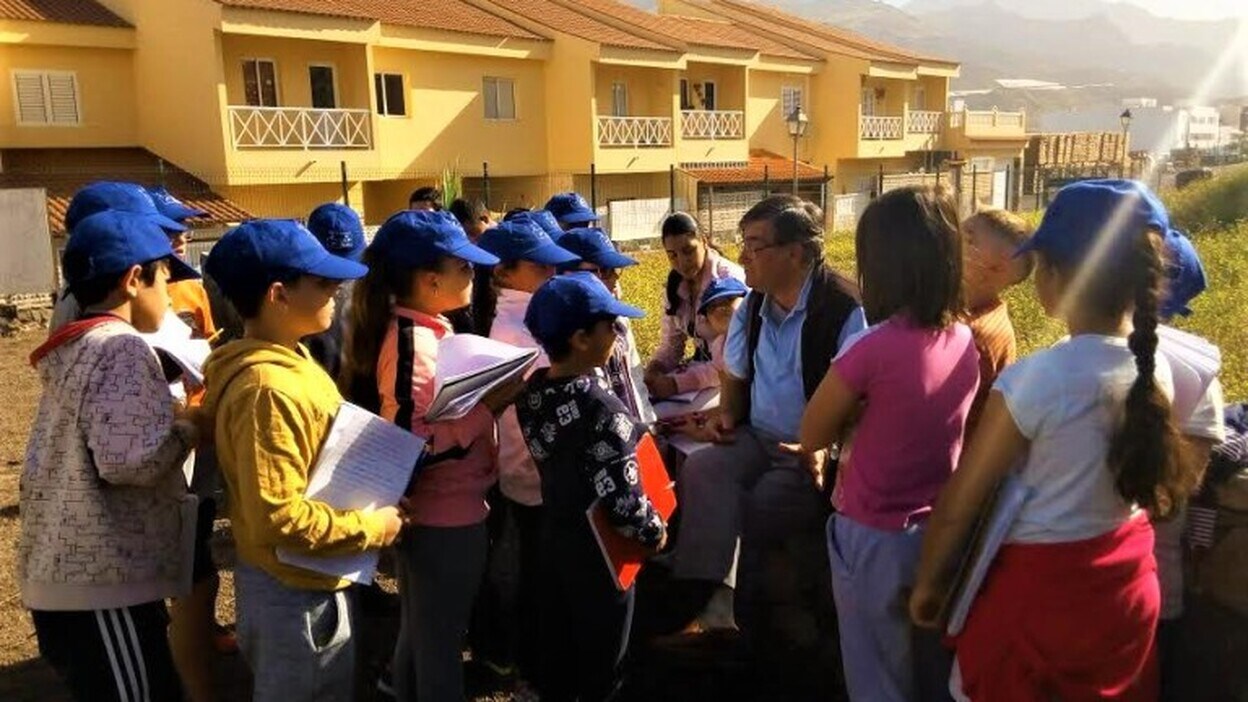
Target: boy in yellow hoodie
{"points": [[273, 407]]}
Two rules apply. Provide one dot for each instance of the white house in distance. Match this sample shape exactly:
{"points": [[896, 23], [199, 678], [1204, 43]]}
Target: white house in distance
{"points": [[1155, 129]]}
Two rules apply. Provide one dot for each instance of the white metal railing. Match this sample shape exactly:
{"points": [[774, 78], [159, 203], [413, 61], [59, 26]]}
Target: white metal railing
{"points": [[877, 127], [712, 124], [300, 128], [924, 122], [634, 131], [988, 118]]}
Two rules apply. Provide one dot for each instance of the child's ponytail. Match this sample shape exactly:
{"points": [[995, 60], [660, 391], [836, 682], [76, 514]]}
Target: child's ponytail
{"points": [[371, 305], [1144, 452]]}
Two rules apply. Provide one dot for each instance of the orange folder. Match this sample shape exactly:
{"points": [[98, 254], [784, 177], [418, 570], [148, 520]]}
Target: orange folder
{"points": [[623, 556]]}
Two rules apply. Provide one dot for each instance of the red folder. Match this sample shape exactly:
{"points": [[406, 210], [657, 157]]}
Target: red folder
{"points": [[623, 556]]}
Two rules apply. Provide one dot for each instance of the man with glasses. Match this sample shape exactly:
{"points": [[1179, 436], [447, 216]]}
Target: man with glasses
{"points": [[754, 486]]}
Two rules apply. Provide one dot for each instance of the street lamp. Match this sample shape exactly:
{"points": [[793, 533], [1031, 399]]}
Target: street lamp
{"points": [[1125, 120], [796, 122]]}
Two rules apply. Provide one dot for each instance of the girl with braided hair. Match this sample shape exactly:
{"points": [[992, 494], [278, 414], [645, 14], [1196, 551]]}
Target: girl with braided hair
{"points": [[1070, 605]]}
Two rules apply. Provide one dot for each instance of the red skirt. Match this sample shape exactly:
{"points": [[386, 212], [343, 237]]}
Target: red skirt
{"points": [[1071, 621]]}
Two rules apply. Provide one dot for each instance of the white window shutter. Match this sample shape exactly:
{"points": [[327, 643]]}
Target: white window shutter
{"points": [[31, 104], [63, 98]]}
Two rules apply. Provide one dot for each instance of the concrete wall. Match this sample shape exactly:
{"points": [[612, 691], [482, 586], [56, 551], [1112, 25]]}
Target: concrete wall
{"points": [[27, 265]]}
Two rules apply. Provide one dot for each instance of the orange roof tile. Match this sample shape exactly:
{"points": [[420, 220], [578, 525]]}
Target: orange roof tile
{"points": [[581, 24], [702, 32], [62, 11], [447, 15], [62, 172], [829, 33], [763, 165]]}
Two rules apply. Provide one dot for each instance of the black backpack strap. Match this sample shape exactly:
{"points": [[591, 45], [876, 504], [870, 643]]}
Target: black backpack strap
{"points": [[753, 330]]}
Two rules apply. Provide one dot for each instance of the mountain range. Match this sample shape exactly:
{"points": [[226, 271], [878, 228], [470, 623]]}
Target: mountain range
{"points": [[1120, 48]]}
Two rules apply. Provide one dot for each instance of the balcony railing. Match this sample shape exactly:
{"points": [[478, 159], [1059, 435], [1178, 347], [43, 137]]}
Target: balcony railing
{"points": [[300, 128], [875, 127], [988, 119], [924, 122], [634, 131], [712, 124]]}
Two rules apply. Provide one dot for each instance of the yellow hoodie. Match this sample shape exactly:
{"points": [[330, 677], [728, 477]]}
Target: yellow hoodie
{"points": [[273, 407]]}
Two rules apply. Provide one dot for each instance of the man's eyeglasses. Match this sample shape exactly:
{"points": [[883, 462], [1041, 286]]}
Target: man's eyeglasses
{"points": [[753, 247]]}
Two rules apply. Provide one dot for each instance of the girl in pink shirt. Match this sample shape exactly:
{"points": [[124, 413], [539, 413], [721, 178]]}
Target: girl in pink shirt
{"points": [[912, 377], [420, 267]]}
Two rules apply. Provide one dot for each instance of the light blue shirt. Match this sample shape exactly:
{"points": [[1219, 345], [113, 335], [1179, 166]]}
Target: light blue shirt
{"points": [[777, 395]]}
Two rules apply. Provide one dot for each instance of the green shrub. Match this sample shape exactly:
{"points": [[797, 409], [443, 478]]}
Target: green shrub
{"points": [[1212, 204]]}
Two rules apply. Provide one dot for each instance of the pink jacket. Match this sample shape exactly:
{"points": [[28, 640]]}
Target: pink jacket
{"points": [[517, 473], [460, 464], [676, 328]]}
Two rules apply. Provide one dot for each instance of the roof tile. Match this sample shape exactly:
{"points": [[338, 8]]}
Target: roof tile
{"points": [[447, 15], [63, 11], [62, 172], [763, 165], [579, 24]]}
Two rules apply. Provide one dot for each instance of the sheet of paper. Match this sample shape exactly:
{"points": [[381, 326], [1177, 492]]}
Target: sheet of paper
{"points": [[469, 367], [366, 463], [173, 340], [702, 400]]}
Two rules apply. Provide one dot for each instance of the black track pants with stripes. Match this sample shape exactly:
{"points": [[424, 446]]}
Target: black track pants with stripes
{"points": [[111, 655]]}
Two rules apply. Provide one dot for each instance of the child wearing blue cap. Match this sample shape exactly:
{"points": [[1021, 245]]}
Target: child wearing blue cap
{"points": [[527, 259], [273, 408], [1071, 605], [103, 500], [584, 442], [623, 370], [341, 232], [421, 267], [571, 210]]}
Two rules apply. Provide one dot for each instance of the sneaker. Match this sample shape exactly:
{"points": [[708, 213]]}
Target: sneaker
{"points": [[385, 684]]}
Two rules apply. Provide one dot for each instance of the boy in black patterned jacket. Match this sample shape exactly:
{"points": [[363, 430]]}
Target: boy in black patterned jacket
{"points": [[584, 443]]}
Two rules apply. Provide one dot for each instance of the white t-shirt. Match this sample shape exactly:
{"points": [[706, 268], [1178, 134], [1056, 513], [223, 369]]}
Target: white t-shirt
{"points": [[1198, 413], [1067, 401]]}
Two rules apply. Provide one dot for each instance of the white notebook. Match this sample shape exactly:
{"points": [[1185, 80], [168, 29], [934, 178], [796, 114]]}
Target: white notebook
{"points": [[469, 367], [366, 463], [173, 340]]}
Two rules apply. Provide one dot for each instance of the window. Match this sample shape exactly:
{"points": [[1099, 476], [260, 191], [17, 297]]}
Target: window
{"points": [[500, 98], [708, 95], [686, 101], [324, 87], [260, 82], [868, 101], [920, 98], [391, 99], [790, 100], [46, 97], [619, 99]]}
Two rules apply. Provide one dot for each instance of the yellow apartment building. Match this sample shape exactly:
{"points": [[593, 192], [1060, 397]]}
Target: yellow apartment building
{"points": [[279, 105]]}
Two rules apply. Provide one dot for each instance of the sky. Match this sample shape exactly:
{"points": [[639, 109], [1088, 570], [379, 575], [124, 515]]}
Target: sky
{"points": [[1183, 9]]}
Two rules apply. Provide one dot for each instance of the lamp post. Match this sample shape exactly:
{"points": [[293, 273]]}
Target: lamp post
{"points": [[1125, 120], [796, 122]]}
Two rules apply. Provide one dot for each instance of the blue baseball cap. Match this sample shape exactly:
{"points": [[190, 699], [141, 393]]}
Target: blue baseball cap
{"points": [[593, 246], [1083, 212], [112, 242], [252, 251], [172, 207], [721, 289], [521, 239], [122, 197], [420, 237], [570, 302], [570, 208], [541, 218], [339, 230], [1185, 275]]}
